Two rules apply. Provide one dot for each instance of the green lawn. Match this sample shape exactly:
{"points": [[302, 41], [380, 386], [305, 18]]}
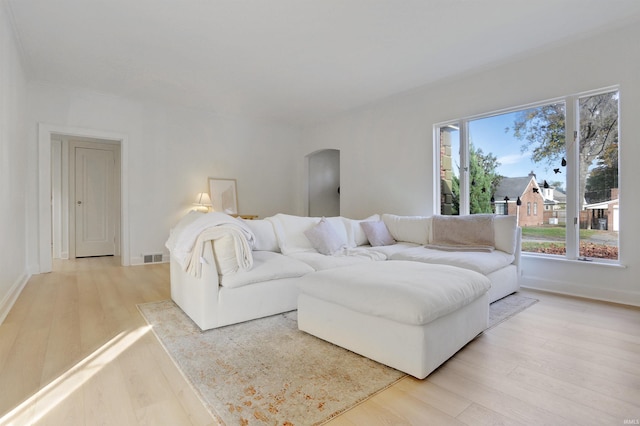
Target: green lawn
{"points": [[530, 246], [550, 239], [552, 232]]}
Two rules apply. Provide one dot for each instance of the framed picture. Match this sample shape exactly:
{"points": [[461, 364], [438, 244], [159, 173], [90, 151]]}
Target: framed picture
{"points": [[224, 195]]}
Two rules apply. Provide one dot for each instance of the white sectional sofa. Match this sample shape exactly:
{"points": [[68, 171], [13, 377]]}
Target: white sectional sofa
{"points": [[224, 292], [406, 291]]}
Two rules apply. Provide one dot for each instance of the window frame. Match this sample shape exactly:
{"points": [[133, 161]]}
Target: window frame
{"points": [[572, 136]]}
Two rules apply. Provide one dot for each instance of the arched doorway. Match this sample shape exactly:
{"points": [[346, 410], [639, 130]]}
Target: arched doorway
{"points": [[324, 183]]}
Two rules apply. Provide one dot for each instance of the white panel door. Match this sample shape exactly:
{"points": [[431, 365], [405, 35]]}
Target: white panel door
{"points": [[94, 186]]}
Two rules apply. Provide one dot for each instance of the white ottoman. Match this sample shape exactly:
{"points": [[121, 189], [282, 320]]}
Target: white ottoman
{"points": [[408, 315]]}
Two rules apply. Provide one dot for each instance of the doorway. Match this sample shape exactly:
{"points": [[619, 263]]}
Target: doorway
{"points": [[48, 135], [324, 183], [85, 201]]}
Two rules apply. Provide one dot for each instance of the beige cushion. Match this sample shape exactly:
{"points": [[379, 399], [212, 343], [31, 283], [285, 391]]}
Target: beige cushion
{"points": [[475, 230]]}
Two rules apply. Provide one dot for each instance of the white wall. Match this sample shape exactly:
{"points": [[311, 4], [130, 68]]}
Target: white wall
{"points": [[387, 147], [13, 166], [171, 153]]}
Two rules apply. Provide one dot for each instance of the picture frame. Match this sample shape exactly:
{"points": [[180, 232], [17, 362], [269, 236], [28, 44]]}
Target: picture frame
{"points": [[224, 195]]}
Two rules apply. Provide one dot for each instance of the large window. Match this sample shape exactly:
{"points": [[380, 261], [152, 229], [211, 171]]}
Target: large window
{"points": [[553, 165]]}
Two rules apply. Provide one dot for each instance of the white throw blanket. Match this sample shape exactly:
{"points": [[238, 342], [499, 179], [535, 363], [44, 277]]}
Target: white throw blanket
{"points": [[363, 252], [188, 247]]}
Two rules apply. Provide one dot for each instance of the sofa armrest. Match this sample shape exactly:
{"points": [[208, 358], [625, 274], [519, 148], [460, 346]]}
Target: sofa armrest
{"points": [[518, 251], [197, 297]]}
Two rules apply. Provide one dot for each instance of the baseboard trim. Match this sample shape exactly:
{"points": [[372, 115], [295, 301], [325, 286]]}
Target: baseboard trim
{"points": [[631, 298], [7, 303]]}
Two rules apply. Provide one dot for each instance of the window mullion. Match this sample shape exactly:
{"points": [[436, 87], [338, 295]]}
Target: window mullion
{"points": [[572, 141], [464, 168]]}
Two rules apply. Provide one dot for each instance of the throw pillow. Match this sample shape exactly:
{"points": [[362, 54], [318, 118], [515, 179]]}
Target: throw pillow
{"points": [[325, 238], [377, 233], [357, 237]]}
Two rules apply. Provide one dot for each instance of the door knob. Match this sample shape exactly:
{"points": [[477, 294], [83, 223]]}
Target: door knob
{"points": [[79, 202]]}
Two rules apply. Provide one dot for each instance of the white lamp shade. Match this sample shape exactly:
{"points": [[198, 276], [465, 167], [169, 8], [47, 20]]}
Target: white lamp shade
{"points": [[203, 199]]}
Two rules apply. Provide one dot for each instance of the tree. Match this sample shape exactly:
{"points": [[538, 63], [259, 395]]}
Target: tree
{"points": [[543, 129], [455, 190], [483, 182], [483, 179], [599, 183]]}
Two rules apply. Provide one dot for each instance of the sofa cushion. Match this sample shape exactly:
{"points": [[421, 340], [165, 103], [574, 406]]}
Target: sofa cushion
{"points": [[341, 226], [483, 262], [389, 250], [411, 229], [377, 233], [267, 266], [352, 256], [505, 229], [265, 235], [324, 238], [357, 237], [406, 292], [290, 229]]}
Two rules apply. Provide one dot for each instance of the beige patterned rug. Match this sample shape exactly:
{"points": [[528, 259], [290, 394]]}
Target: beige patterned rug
{"points": [[266, 371]]}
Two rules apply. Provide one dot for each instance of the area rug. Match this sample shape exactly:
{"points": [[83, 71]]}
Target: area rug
{"points": [[503, 309], [267, 372]]}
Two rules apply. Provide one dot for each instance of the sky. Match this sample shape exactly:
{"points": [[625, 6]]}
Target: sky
{"points": [[489, 135]]}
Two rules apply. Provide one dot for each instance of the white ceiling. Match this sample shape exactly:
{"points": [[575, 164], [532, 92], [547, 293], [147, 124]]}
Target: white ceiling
{"points": [[296, 61]]}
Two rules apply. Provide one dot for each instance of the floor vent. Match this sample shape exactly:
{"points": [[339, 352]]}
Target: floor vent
{"points": [[152, 258]]}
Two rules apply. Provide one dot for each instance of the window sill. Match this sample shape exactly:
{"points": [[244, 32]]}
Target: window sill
{"points": [[555, 258]]}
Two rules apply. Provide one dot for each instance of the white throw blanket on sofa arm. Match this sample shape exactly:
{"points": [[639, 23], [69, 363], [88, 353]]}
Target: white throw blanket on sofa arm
{"points": [[188, 246]]}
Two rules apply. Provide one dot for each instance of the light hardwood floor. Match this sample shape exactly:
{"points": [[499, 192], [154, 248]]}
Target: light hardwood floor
{"points": [[75, 351]]}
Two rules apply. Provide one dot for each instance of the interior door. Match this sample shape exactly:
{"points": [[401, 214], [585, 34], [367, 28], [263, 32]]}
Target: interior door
{"points": [[94, 211], [324, 183]]}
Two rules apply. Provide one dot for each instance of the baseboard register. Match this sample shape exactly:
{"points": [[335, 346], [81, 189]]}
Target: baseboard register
{"points": [[152, 258]]}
